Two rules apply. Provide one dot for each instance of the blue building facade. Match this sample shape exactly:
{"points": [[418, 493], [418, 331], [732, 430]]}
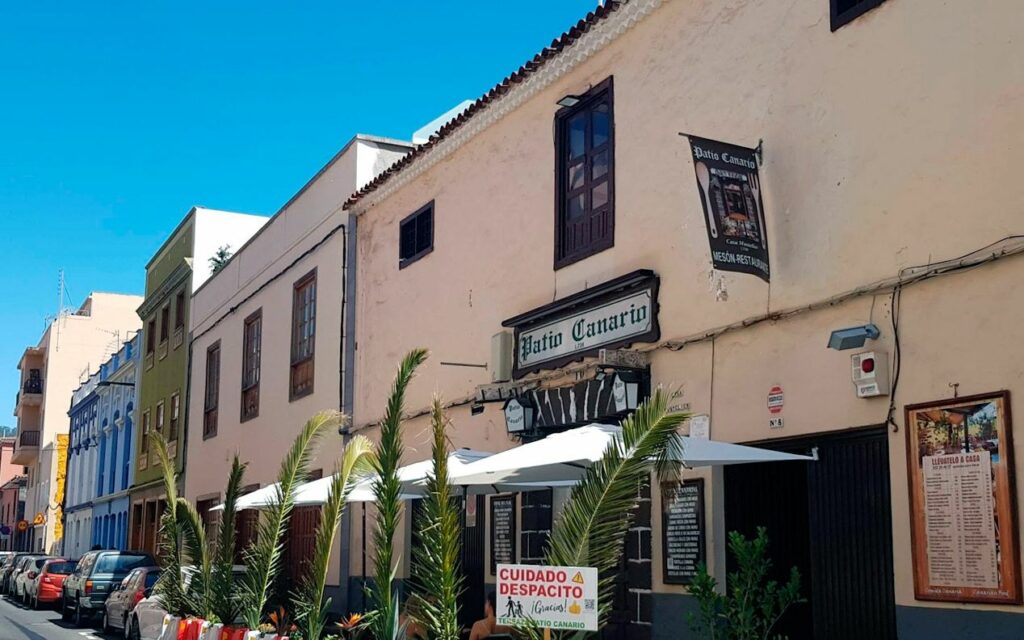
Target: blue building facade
{"points": [[114, 463], [80, 485]]}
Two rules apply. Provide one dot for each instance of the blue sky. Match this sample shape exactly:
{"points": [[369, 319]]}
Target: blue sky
{"points": [[116, 117]]}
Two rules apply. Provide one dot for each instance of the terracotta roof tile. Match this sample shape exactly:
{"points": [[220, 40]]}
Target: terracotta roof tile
{"points": [[522, 73]]}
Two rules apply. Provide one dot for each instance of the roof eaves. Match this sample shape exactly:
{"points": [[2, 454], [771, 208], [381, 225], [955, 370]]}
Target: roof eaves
{"points": [[529, 68]]}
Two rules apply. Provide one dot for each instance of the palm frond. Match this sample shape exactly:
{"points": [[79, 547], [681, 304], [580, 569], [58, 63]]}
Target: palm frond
{"points": [[436, 575], [193, 536], [170, 586], [387, 493], [225, 602], [263, 557], [592, 527], [310, 604]]}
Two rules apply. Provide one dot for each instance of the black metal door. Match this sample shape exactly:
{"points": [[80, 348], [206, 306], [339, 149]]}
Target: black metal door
{"points": [[851, 524], [832, 520], [473, 561]]}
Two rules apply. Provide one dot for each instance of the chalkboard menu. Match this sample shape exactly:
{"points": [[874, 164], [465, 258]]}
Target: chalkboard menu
{"points": [[503, 531], [682, 528]]}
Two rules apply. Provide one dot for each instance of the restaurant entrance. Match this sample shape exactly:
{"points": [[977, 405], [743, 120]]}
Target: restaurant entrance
{"points": [[832, 520]]}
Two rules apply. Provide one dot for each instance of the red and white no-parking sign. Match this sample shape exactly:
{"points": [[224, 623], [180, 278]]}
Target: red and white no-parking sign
{"points": [[776, 399]]}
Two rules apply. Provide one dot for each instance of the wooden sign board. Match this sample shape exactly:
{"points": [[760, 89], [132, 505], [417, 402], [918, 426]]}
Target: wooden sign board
{"points": [[964, 533]]}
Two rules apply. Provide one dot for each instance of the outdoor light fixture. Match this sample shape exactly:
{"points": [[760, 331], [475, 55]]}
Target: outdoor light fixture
{"points": [[625, 391], [568, 101], [852, 338], [519, 414]]}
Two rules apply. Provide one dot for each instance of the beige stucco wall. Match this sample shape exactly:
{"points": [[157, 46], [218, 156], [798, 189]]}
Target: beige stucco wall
{"points": [[74, 346], [887, 144], [307, 234]]}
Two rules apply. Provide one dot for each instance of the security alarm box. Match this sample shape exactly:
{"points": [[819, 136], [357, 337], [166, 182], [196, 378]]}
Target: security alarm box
{"points": [[870, 373]]}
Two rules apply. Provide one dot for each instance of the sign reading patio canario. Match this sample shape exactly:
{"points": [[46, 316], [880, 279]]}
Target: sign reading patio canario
{"points": [[547, 597], [609, 315]]}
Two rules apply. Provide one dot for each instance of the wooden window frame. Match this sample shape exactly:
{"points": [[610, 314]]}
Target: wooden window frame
{"points": [[211, 393], [839, 18], [250, 408], [165, 323], [147, 424], [604, 90], [302, 362], [179, 310], [175, 403], [413, 218]]}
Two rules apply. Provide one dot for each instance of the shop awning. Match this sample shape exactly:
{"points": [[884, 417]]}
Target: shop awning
{"points": [[412, 476], [564, 457]]}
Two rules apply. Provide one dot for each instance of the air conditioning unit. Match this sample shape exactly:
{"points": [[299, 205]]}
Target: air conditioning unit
{"points": [[870, 371], [501, 357]]}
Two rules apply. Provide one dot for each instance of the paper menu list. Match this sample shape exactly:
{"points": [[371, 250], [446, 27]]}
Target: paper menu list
{"points": [[960, 521]]}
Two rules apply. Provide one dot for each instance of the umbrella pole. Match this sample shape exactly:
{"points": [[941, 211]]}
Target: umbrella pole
{"points": [[363, 581]]}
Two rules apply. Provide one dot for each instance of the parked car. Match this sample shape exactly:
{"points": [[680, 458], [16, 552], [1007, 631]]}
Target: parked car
{"points": [[19, 568], [46, 587], [138, 585], [146, 620], [7, 568], [28, 574], [85, 591]]}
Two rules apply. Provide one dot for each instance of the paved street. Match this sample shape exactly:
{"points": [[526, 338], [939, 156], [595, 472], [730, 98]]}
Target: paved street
{"points": [[20, 623]]}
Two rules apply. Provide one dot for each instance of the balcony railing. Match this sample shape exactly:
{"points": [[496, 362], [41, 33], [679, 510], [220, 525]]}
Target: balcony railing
{"points": [[33, 386], [28, 439]]}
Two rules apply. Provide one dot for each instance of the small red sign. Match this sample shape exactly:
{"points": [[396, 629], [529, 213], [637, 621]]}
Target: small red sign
{"points": [[775, 399]]}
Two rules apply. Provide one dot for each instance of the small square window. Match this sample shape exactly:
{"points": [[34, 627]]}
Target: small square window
{"points": [[844, 11], [416, 236]]}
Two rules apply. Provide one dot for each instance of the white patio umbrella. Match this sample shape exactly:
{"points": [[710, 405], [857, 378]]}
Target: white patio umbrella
{"points": [[564, 457]]}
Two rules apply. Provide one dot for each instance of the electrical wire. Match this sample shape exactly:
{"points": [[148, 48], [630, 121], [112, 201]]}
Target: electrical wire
{"points": [[897, 357]]}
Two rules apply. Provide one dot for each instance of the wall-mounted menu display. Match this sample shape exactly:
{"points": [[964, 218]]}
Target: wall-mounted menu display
{"points": [[503, 531], [682, 530], [963, 508]]}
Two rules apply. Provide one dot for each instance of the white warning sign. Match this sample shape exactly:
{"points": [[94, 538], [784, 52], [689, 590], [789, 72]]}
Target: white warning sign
{"points": [[547, 597]]}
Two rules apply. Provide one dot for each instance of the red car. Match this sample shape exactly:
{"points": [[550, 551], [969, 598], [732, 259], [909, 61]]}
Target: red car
{"points": [[45, 588]]}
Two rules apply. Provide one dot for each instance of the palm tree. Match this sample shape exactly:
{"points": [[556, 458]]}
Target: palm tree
{"points": [[224, 601], [591, 530], [384, 621], [220, 258], [310, 606], [178, 530], [436, 575], [263, 557]]}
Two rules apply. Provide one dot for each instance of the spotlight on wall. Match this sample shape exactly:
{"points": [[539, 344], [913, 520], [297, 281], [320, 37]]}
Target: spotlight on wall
{"points": [[568, 101], [853, 337]]}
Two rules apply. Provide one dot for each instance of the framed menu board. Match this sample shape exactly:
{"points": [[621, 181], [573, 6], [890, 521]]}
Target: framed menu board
{"points": [[963, 512], [503, 531], [682, 530]]}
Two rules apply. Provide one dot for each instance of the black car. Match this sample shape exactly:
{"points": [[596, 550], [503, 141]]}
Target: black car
{"points": [[98, 572]]}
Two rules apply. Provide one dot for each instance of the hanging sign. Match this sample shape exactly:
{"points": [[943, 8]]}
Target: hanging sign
{"points": [[682, 530], [22, 525], [964, 536], [730, 192], [547, 597], [39, 519]]}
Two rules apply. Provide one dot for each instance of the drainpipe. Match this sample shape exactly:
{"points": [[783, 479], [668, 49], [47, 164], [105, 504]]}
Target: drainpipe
{"points": [[346, 389]]}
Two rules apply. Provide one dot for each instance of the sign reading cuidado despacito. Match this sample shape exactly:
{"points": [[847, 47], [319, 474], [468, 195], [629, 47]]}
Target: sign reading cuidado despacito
{"points": [[547, 597]]}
